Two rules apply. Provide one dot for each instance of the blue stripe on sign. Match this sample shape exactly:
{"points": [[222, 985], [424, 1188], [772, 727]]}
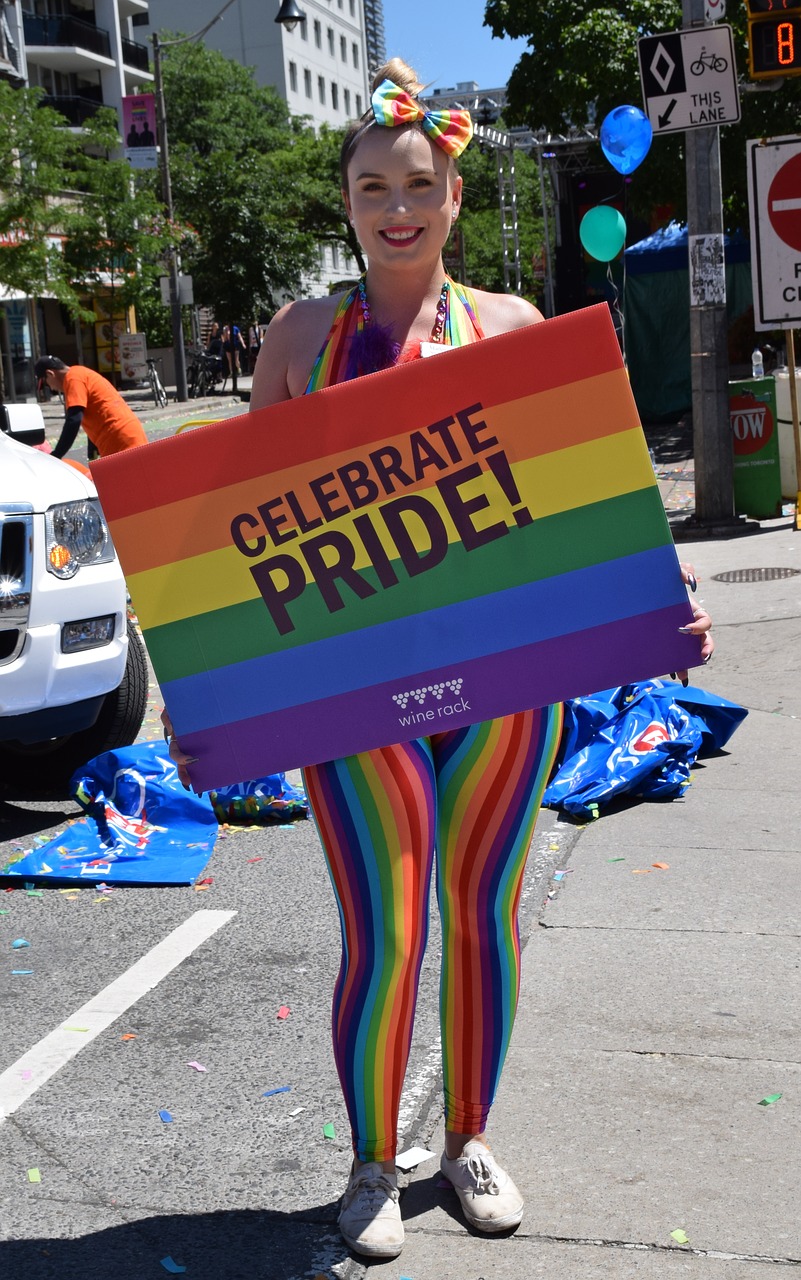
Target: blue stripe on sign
{"points": [[585, 598]]}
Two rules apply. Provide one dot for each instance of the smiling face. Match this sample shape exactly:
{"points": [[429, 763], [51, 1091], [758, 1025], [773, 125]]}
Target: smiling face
{"points": [[402, 193]]}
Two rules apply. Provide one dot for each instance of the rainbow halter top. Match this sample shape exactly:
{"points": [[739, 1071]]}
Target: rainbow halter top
{"points": [[461, 326]]}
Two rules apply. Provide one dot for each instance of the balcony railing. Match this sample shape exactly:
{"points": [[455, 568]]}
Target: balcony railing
{"points": [[66, 31], [77, 110], [135, 55]]}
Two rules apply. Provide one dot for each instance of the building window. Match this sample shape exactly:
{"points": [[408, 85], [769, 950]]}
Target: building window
{"points": [[304, 33], [307, 82], [321, 89], [358, 104], [343, 48], [352, 8], [335, 95], [318, 35], [339, 4], [293, 77], [335, 257], [355, 51], [346, 99], [331, 41]]}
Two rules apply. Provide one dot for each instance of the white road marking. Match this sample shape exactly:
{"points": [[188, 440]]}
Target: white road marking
{"points": [[35, 1067]]}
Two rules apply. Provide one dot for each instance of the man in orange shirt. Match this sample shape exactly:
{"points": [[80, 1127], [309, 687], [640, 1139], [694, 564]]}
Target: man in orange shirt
{"points": [[92, 403]]}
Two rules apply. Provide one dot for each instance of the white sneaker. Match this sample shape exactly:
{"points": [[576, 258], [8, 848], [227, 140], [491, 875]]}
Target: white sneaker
{"points": [[370, 1219], [490, 1200]]}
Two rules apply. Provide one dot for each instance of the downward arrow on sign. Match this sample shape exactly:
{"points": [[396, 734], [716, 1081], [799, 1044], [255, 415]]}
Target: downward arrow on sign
{"points": [[666, 114]]}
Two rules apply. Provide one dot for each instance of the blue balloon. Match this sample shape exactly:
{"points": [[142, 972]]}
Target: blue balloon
{"points": [[626, 135]]}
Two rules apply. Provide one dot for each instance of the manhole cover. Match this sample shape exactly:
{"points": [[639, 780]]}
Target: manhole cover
{"points": [[754, 575]]}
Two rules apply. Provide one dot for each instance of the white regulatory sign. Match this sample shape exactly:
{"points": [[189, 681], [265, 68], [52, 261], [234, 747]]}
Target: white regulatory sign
{"points": [[689, 79], [774, 207]]}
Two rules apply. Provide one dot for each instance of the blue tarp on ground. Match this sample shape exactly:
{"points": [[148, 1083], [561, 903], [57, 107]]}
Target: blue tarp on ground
{"points": [[141, 826], [640, 739]]}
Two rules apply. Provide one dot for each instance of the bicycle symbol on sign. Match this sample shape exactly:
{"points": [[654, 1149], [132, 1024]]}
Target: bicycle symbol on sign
{"points": [[707, 62]]}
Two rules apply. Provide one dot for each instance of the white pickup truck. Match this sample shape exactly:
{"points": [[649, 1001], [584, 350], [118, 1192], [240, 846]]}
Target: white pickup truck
{"points": [[73, 668]]}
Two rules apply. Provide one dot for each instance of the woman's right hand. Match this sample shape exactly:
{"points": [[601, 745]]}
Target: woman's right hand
{"points": [[179, 757]]}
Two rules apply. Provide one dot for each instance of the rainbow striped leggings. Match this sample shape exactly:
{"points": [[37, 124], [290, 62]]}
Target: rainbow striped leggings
{"points": [[471, 795]]}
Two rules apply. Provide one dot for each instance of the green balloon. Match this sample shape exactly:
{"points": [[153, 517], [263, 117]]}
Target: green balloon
{"points": [[603, 232]]}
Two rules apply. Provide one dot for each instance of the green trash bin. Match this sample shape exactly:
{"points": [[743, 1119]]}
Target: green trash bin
{"points": [[755, 440]]}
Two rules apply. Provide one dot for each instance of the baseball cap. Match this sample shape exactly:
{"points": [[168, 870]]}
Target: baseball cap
{"points": [[43, 364]]}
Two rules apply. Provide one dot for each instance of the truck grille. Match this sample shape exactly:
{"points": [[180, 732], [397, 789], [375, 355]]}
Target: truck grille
{"points": [[16, 546]]}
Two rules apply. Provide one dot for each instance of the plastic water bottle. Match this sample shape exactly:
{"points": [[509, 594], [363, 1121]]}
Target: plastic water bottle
{"points": [[757, 366]]}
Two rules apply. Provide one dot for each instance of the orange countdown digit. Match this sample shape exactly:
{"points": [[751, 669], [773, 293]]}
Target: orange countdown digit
{"points": [[785, 44]]}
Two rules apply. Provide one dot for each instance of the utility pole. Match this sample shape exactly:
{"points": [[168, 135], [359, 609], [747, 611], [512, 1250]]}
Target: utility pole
{"points": [[709, 362]]}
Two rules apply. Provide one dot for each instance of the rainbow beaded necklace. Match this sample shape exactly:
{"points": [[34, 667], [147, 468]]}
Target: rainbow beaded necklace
{"points": [[455, 325]]}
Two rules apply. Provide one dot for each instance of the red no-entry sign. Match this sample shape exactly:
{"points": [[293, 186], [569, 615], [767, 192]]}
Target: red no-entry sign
{"points": [[784, 203], [774, 200]]}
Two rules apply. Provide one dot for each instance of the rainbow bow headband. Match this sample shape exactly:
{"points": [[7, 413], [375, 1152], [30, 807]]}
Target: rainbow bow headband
{"points": [[451, 130]]}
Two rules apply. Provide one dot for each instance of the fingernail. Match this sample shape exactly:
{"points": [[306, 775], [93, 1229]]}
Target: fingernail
{"points": [[685, 631], [706, 659], [672, 675], [693, 583], [685, 681]]}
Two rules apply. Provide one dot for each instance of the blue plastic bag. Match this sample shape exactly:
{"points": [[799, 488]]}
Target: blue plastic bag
{"points": [[640, 739], [141, 826]]}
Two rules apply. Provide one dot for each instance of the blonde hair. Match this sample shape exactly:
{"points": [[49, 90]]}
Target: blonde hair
{"points": [[406, 78]]}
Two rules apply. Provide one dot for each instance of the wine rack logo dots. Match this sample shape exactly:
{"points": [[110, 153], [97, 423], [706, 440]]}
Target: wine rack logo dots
{"points": [[435, 690]]}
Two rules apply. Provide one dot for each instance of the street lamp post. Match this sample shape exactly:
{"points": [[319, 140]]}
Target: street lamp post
{"points": [[289, 15]]}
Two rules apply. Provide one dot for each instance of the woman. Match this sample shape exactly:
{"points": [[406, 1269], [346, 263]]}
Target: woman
{"points": [[467, 798]]}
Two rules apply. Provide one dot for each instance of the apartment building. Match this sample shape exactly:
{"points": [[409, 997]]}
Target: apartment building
{"points": [[320, 67], [84, 54]]}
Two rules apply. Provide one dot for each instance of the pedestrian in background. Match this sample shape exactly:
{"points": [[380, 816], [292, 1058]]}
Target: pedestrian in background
{"points": [[90, 402], [232, 348]]}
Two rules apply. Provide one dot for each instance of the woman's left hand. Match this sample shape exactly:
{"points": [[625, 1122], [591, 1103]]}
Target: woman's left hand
{"points": [[701, 624]]}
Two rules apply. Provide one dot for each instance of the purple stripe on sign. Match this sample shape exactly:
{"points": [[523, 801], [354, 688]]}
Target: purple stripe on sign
{"points": [[534, 675]]}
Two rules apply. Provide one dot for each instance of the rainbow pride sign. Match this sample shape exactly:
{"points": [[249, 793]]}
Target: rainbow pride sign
{"points": [[441, 543]]}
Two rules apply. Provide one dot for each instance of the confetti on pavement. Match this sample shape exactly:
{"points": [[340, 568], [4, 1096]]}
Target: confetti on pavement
{"points": [[661, 866], [329, 1131], [411, 1158], [174, 1268], [18, 943], [165, 1116], [284, 1088], [196, 1066], [769, 1099], [283, 1012], [34, 1175], [679, 1236]]}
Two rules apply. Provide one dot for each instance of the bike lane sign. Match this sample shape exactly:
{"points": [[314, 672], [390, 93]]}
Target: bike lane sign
{"points": [[689, 79], [774, 202]]}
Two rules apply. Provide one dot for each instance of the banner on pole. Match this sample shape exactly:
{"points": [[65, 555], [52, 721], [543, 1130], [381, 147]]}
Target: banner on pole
{"points": [[139, 130], [435, 545]]}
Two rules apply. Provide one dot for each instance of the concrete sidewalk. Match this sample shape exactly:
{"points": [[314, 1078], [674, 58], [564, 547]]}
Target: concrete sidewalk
{"points": [[658, 1009]]}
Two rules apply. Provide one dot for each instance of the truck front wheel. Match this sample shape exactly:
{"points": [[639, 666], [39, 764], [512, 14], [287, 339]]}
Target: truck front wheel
{"points": [[45, 766]]}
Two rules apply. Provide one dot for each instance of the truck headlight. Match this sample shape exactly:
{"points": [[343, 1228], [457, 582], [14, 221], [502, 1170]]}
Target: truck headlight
{"points": [[76, 534]]}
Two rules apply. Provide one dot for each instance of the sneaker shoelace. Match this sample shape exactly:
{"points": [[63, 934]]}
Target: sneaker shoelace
{"points": [[371, 1190], [484, 1172]]}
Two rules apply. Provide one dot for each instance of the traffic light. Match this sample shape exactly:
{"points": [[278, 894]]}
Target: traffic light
{"points": [[774, 38]]}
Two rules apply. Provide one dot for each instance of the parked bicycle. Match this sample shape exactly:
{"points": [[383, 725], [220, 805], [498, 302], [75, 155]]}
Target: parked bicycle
{"points": [[203, 372], [156, 385]]}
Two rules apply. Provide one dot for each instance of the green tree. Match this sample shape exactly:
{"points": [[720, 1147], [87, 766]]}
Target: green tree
{"points": [[35, 157], [233, 180], [117, 236], [582, 62]]}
